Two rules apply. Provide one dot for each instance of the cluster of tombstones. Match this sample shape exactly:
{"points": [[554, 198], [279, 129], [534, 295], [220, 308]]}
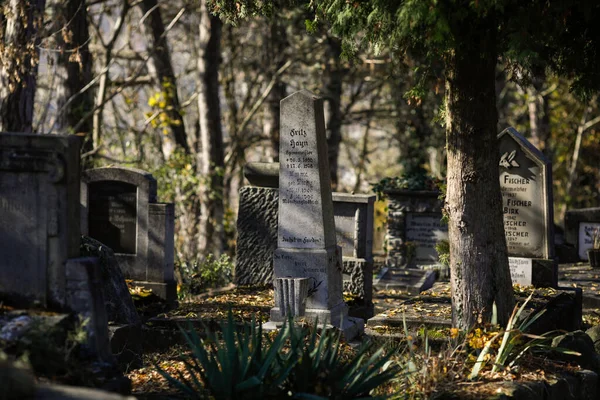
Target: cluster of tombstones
{"points": [[46, 205], [293, 232]]}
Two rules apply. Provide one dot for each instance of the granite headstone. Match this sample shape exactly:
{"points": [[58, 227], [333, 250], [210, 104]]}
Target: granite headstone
{"points": [[527, 204], [306, 239]]}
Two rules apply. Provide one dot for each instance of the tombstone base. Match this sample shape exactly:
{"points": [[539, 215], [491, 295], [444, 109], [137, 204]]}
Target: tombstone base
{"points": [[544, 272], [165, 290], [337, 318]]}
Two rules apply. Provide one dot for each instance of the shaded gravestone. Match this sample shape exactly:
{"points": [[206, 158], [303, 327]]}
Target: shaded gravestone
{"points": [[40, 232], [527, 204], [579, 223], [353, 216], [306, 239], [120, 210], [414, 227]]}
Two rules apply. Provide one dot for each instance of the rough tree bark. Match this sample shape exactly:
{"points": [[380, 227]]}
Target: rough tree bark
{"points": [[75, 64], [18, 64], [161, 69], [334, 98], [211, 155], [480, 275]]}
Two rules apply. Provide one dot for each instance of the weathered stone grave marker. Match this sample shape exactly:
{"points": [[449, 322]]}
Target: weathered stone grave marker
{"points": [[40, 236], [306, 239], [527, 203], [414, 227], [257, 235], [578, 223], [353, 216], [119, 209]]}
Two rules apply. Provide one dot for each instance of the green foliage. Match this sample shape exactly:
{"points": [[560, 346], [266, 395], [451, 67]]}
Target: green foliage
{"points": [[515, 343], [199, 275], [443, 249], [53, 350], [419, 181], [297, 362]]}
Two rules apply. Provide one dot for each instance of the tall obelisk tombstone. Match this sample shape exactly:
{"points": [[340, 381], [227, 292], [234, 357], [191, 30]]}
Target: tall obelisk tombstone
{"points": [[306, 240]]}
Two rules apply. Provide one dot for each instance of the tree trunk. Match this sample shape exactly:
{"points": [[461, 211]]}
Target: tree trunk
{"points": [[275, 50], [75, 63], [161, 69], [334, 98], [539, 113], [104, 80], [480, 275], [18, 70], [211, 233]]}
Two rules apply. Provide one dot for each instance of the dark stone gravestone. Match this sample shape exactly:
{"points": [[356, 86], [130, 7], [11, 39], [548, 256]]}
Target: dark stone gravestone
{"points": [[526, 185], [307, 262], [40, 232], [120, 210], [414, 227], [578, 223]]}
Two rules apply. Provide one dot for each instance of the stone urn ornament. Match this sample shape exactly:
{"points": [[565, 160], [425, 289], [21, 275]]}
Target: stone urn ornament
{"points": [[594, 252]]}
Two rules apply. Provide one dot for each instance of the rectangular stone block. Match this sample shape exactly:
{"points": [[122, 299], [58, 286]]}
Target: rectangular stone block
{"points": [[39, 189], [353, 215]]}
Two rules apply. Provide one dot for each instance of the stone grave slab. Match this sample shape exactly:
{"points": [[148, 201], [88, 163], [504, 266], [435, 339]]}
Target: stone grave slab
{"points": [[306, 238], [408, 280], [433, 309], [527, 202], [120, 209], [577, 223]]}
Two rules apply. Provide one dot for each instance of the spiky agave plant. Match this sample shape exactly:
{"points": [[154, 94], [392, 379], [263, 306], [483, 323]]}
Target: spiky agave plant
{"points": [[299, 362]]}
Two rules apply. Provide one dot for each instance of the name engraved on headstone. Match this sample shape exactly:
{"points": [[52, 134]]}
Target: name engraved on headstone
{"points": [[113, 215], [520, 270], [585, 239], [425, 230], [518, 199], [300, 180], [524, 202]]}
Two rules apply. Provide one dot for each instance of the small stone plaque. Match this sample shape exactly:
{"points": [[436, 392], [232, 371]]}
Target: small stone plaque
{"points": [[585, 241], [521, 270], [425, 230], [113, 215]]}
